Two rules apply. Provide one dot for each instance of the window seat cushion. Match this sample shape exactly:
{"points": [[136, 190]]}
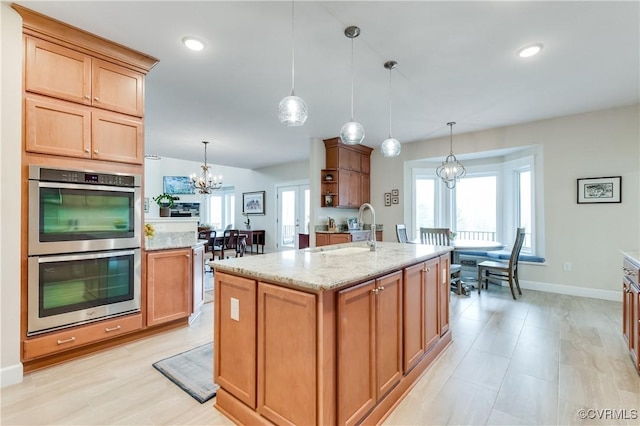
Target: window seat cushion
{"points": [[505, 254], [473, 252]]}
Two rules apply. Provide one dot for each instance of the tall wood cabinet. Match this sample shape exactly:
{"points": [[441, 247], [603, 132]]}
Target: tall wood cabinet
{"points": [[631, 310], [345, 182]]}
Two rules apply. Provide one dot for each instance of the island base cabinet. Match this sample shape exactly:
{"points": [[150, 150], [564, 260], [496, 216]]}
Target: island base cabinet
{"points": [[444, 292], [287, 390], [235, 336], [631, 312], [369, 345], [169, 286]]}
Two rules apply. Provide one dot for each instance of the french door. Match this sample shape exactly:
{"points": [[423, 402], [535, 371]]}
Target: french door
{"points": [[294, 210]]}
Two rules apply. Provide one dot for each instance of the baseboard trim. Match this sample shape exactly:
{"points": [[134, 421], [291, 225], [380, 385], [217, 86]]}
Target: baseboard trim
{"points": [[593, 293], [11, 375]]}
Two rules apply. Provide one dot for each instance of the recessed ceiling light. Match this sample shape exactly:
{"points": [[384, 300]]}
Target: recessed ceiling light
{"points": [[529, 50], [193, 43]]}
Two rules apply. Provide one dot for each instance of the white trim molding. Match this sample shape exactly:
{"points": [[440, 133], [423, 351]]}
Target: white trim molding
{"points": [[11, 375]]}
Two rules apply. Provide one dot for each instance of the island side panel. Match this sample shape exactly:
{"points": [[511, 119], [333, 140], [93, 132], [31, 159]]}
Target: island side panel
{"points": [[287, 362], [235, 336]]}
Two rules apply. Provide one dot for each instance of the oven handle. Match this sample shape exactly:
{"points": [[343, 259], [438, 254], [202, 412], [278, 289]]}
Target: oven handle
{"points": [[83, 256], [60, 185]]}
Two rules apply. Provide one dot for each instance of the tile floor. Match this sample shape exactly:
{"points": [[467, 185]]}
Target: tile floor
{"points": [[537, 360]]}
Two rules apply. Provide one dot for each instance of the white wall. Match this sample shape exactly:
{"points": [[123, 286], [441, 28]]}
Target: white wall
{"points": [[10, 220], [603, 143]]}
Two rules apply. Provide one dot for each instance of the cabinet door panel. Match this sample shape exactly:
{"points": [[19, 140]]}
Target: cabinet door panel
{"points": [[117, 137], [57, 127], [414, 315], [444, 292], [339, 238], [285, 362], [117, 88], [168, 286], [365, 188], [355, 189], [356, 352], [432, 310], [57, 71], [388, 332], [235, 316], [322, 240]]}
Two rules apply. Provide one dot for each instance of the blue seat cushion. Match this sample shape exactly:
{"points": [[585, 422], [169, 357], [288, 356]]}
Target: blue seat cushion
{"points": [[505, 255], [472, 252]]}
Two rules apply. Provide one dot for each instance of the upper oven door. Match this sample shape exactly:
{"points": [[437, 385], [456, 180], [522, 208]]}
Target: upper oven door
{"points": [[69, 217]]}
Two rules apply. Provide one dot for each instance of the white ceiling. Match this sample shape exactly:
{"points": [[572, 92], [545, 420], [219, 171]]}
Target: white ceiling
{"points": [[456, 62]]}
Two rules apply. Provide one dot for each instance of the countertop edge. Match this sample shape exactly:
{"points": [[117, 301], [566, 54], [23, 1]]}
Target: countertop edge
{"points": [[632, 256]]}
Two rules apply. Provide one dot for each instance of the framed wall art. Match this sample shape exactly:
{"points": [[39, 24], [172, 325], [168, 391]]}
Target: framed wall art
{"points": [[599, 190], [253, 202], [176, 185]]}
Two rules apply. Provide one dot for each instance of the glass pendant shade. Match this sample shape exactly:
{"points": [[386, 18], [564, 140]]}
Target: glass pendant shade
{"points": [[390, 147], [292, 111], [352, 133]]}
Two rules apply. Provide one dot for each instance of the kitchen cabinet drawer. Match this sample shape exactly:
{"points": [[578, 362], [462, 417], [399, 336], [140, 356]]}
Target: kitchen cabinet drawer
{"points": [[79, 336]]}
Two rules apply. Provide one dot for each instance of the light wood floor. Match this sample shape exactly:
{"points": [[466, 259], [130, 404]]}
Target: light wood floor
{"points": [[537, 360]]}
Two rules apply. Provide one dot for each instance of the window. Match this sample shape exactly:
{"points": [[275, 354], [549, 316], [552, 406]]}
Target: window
{"points": [[474, 216], [221, 208], [425, 202], [524, 210]]}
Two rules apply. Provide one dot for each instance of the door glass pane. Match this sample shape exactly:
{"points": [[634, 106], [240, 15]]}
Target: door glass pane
{"points": [[288, 218], [215, 212], [476, 208], [425, 203], [307, 211]]}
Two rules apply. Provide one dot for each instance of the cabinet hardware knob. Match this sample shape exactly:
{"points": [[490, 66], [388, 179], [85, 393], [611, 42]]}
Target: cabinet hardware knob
{"points": [[87, 97], [95, 151], [375, 291], [187, 256], [60, 342], [87, 150], [97, 99], [117, 327], [381, 288]]}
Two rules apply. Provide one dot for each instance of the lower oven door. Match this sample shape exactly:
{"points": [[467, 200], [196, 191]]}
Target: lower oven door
{"points": [[67, 290]]}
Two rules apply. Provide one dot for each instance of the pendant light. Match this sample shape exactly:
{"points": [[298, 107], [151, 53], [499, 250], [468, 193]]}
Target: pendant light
{"points": [[206, 183], [451, 170], [352, 133], [292, 110], [390, 146]]}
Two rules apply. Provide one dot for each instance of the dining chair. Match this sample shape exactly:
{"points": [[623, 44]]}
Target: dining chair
{"points": [[209, 247], [502, 271], [401, 233], [232, 243], [441, 237]]}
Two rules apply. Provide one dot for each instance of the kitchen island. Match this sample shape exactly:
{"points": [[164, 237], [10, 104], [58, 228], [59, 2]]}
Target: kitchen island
{"points": [[331, 335]]}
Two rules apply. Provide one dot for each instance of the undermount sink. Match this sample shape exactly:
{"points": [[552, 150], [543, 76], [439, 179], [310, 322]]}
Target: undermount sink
{"points": [[345, 251]]}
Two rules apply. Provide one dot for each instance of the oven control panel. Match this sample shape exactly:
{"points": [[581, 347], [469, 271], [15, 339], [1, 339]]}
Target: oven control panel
{"points": [[83, 177]]}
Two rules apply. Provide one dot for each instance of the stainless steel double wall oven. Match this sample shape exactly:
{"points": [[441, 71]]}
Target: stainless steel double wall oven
{"points": [[84, 247]]}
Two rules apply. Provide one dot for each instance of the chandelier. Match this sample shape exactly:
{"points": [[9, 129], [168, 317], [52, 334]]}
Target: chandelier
{"points": [[391, 146], [292, 109], [451, 170], [352, 133], [206, 183]]}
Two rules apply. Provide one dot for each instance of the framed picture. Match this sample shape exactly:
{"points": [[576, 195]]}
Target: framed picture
{"points": [[176, 185], [599, 190], [395, 200], [328, 200], [352, 223], [387, 198], [253, 202], [395, 192]]}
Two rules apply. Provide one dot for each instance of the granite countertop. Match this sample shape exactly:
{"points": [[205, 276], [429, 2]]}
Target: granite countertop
{"points": [[633, 256], [329, 267]]}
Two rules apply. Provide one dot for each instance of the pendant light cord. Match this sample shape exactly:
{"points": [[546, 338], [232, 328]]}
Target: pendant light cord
{"points": [[390, 69], [351, 78], [293, 52]]}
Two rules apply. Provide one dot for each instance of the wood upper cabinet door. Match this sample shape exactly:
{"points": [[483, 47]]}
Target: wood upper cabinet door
{"points": [[365, 164], [169, 285], [117, 137], [356, 352], [235, 336], [117, 88], [287, 365], [57, 71], [388, 332], [444, 292], [355, 189], [57, 127], [365, 189], [432, 302], [354, 160], [414, 316]]}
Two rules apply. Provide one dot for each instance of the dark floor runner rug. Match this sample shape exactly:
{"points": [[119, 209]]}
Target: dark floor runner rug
{"points": [[192, 371]]}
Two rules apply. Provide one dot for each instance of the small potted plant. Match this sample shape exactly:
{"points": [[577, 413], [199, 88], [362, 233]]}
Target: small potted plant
{"points": [[248, 221], [165, 202]]}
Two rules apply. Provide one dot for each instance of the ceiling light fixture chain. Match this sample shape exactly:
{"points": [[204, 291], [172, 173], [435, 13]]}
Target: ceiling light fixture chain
{"points": [[451, 170], [206, 183], [352, 133], [390, 147], [292, 109]]}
